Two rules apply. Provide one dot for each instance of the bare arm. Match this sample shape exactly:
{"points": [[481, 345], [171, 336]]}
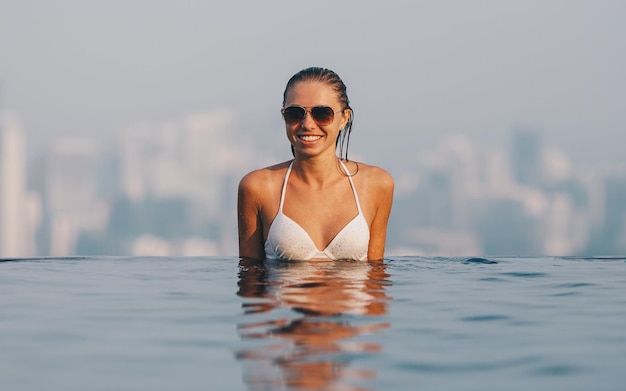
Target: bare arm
{"points": [[378, 229], [249, 219]]}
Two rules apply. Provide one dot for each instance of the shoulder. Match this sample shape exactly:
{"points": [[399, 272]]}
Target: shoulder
{"points": [[375, 178], [375, 187], [263, 179]]}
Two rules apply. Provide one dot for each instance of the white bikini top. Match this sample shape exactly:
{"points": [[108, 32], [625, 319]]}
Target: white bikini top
{"points": [[287, 240]]}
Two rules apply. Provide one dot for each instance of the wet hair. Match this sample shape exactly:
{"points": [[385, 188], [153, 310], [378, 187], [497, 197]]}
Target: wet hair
{"points": [[330, 78]]}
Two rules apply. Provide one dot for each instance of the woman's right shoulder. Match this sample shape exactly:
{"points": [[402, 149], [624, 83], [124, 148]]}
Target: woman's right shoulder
{"points": [[264, 178]]}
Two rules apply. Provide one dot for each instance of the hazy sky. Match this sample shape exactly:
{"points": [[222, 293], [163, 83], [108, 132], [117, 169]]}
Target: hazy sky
{"points": [[415, 70]]}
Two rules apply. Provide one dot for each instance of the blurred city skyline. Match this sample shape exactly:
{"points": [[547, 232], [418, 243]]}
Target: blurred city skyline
{"points": [[170, 189]]}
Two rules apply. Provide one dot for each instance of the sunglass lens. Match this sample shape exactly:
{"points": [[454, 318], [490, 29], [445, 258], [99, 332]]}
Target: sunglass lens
{"points": [[293, 114], [323, 115]]}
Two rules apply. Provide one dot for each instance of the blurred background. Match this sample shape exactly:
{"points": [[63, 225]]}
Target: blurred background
{"points": [[125, 126]]}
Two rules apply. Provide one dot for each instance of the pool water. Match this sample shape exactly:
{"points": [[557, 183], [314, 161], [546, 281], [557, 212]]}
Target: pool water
{"points": [[211, 323]]}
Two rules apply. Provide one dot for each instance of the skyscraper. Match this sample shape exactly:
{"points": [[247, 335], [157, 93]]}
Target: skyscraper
{"points": [[527, 157], [71, 200], [13, 221]]}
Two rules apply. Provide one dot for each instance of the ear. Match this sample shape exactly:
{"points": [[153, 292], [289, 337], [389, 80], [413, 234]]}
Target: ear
{"points": [[346, 116]]}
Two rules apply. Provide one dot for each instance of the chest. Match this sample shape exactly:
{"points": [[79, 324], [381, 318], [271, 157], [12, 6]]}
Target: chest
{"points": [[321, 212]]}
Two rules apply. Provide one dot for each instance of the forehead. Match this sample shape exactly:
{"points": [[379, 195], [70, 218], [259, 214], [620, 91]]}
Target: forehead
{"points": [[311, 93]]}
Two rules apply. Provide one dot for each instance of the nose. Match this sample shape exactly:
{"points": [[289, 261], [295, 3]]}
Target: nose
{"points": [[307, 121]]}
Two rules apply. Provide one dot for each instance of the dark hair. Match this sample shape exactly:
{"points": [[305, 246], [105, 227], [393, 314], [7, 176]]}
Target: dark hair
{"points": [[325, 75]]}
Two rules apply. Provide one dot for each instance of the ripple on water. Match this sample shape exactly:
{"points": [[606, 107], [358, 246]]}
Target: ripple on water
{"points": [[524, 274], [485, 318], [557, 370], [575, 285], [468, 366], [491, 279], [479, 261]]}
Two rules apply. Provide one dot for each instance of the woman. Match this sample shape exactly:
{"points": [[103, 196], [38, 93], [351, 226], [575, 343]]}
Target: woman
{"points": [[317, 206]]}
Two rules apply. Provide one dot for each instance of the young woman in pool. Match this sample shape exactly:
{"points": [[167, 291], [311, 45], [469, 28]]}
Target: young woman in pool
{"points": [[318, 206]]}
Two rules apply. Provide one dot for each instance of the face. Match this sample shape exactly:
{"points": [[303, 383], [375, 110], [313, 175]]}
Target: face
{"points": [[308, 137]]}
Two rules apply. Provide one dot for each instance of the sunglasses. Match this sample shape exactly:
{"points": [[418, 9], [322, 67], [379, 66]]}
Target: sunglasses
{"points": [[322, 115]]}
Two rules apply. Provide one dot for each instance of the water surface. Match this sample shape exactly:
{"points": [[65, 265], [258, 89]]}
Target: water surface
{"points": [[103, 323]]}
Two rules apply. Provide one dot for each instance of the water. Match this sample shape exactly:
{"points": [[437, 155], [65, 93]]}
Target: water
{"points": [[414, 323]]}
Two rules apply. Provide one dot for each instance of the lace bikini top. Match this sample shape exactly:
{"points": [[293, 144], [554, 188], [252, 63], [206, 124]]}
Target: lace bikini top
{"points": [[287, 240]]}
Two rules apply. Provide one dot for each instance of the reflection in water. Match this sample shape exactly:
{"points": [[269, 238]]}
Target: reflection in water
{"points": [[303, 319]]}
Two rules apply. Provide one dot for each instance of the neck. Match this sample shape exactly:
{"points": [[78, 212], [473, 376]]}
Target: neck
{"points": [[317, 170]]}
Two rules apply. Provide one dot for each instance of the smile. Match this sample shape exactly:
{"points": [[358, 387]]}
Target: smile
{"points": [[309, 138]]}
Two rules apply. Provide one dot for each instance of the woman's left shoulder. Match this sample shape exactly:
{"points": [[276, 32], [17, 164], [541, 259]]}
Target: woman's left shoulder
{"points": [[375, 173], [375, 177]]}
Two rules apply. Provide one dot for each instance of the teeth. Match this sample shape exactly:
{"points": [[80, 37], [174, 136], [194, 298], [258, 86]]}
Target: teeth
{"points": [[309, 138]]}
